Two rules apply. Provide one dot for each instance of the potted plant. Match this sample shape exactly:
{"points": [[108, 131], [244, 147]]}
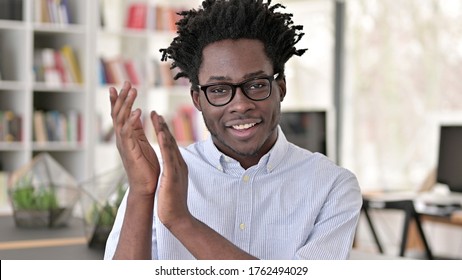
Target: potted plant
{"points": [[101, 199], [37, 199]]}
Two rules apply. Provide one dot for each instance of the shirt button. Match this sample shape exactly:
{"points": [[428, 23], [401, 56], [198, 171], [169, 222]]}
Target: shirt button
{"points": [[242, 226], [246, 178]]}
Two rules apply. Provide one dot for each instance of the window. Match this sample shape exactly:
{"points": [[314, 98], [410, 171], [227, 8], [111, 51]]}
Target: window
{"points": [[403, 63]]}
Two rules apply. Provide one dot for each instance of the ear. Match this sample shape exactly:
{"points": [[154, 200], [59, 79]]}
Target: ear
{"points": [[282, 88], [195, 95]]}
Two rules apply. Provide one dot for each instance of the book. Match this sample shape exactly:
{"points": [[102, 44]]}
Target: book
{"points": [[137, 15], [132, 72], [51, 74], [11, 126], [102, 72], [74, 126], [61, 68], [153, 73], [41, 11], [63, 12], [119, 70], [62, 128], [71, 62], [38, 66], [166, 78], [115, 71], [108, 71], [4, 201], [182, 122], [52, 11], [55, 67], [163, 18], [171, 18], [40, 132]]}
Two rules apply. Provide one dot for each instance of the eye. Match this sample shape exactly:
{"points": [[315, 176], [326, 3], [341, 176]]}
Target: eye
{"points": [[219, 90], [257, 85]]}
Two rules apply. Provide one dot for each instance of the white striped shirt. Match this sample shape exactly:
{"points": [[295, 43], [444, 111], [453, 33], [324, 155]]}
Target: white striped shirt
{"points": [[294, 204]]}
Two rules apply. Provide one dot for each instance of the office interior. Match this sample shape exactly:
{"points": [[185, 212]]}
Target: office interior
{"points": [[379, 85]]}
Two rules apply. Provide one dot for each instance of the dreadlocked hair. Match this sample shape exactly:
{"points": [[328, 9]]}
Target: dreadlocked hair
{"points": [[218, 20]]}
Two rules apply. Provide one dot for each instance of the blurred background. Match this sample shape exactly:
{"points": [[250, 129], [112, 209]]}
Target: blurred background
{"points": [[379, 79]]}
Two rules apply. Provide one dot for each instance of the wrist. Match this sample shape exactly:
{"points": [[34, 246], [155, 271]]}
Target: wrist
{"points": [[180, 224], [139, 199]]}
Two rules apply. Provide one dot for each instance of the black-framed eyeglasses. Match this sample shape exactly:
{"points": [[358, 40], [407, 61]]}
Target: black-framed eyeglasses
{"points": [[256, 89]]}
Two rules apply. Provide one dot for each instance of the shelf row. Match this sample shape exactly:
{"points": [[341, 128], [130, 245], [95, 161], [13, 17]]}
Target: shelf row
{"points": [[45, 57], [62, 12]]}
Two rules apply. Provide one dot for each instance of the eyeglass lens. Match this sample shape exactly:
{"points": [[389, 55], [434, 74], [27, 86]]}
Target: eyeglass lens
{"points": [[257, 89]]}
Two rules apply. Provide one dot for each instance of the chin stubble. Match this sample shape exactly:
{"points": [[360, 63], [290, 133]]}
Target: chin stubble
{"points": [[222, 141]]}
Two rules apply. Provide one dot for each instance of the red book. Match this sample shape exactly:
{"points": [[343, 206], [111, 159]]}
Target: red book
{"points": [[111, 73], [131, 72], [137, 15], [60, 67]]}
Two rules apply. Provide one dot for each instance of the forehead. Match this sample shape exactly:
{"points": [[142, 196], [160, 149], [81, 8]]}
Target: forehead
{"points": [[233, 59]]}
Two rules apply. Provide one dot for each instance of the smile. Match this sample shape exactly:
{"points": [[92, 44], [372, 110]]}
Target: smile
{"points": [[243, 126]]}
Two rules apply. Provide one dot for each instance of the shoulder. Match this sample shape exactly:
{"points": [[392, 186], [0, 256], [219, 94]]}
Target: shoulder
{"points": [[303, 156], [318, 165]]}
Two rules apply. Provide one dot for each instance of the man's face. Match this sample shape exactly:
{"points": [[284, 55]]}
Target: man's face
{"points": [[243, 129]]}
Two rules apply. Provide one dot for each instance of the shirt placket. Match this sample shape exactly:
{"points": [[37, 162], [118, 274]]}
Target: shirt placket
{"points": [[244, 212]]}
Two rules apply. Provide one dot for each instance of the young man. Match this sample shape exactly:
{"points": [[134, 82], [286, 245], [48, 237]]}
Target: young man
{"points": [[244, 193]]}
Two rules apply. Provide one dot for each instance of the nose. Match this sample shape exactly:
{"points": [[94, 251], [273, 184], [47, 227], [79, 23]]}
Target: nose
{"points": [[241, 103]]}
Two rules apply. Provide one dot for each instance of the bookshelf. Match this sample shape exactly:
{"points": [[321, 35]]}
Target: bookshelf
{"points": [[129, 36], [30, 31], [35, 37]]}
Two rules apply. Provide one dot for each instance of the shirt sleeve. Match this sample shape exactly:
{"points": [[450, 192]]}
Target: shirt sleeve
{"points": [[335, 226], [113, 238]]}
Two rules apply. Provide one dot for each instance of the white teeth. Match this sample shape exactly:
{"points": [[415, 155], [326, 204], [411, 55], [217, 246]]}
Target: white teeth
{"points": [[243, 126]]}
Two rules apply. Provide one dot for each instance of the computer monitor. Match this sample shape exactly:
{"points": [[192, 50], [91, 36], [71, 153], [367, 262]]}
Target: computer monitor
{"points": [[306, 129], [449, 170]]}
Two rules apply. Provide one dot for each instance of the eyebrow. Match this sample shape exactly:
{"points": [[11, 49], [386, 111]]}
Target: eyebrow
{"points": [[226, 78]]}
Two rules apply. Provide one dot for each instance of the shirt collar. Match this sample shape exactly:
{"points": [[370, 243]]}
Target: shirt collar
{"points": [[270, 160]]}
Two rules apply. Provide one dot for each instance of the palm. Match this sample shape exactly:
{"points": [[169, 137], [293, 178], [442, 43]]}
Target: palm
{"points": [[142, 164], [138, 157], [172, 195]]}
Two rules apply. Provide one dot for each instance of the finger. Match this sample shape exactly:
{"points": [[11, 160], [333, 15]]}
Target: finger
{"points": [[112, 97], [133, 122], [128, 130], [127, 105], [155, 121], [173, 160], [117, 100], [161, 126], [121, 109]]}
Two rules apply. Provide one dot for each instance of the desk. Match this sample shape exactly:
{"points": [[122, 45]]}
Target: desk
{"points": [[66, 243], [406, 203], [453, 219]]}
